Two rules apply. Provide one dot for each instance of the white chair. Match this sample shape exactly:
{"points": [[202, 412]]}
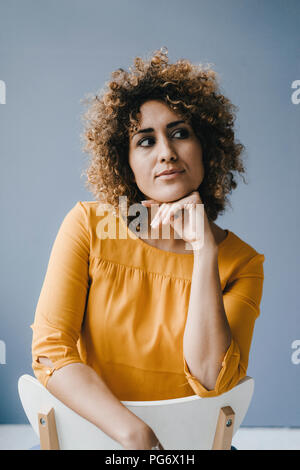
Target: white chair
{"points": [[191, 423]]}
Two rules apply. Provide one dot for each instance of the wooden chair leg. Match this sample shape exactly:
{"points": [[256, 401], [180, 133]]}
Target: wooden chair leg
{"points": [[47, 430], [224, 429]]}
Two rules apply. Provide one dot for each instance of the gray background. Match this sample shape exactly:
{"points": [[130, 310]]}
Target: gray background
{"points": [[51, 55]]}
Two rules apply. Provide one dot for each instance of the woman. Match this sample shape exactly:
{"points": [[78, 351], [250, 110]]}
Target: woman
{"points": [[162, 306]]}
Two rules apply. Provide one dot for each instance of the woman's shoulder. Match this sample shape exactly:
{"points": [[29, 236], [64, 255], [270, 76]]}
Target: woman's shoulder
{"points": [[239, 255], [88, 205], [93, 209]]}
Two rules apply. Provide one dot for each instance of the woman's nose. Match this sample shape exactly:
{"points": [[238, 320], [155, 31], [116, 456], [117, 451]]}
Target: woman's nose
{"points": [[165, 151], [168, 158]]}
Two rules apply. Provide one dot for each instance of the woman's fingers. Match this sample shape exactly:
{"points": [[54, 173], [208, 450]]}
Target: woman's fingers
{"points": [[172, 213], [158, 216]]}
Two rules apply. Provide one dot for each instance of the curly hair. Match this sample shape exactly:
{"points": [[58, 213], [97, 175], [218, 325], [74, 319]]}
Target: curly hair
{"points": [[190, 90]]}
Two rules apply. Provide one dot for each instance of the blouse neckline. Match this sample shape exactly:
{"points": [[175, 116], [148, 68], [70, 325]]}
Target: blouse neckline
{"points": [[170, 253]]}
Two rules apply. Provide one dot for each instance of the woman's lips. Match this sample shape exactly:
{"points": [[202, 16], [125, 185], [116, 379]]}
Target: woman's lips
{"points": [[171, 175]]}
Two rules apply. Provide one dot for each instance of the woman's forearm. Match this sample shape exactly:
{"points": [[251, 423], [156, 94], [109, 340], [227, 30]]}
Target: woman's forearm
{"points": [[207, 334], [80, 388]]}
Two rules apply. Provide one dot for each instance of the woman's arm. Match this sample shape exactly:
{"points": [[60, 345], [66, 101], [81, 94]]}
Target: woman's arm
{"points": [[207, 334], [80, 388], [219, 326]]}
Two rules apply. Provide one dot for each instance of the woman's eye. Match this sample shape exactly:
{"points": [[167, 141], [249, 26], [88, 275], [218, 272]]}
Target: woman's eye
{"points": [[144, 140], [184, 131]]}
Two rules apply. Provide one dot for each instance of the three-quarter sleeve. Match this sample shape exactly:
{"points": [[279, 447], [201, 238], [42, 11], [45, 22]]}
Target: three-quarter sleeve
{"points": [[61, 304], [241, 298]]}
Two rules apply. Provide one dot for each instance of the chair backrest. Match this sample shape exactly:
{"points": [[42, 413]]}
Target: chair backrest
{"points": [[181, 423]]}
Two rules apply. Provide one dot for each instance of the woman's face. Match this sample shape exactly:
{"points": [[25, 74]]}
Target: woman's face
{"points": [[162, 144]]}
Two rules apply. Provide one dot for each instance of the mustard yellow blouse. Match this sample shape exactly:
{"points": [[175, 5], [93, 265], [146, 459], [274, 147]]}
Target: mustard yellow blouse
{"points": [[120, 306]]}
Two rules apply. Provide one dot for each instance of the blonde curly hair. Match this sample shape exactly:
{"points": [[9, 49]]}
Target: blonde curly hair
{"points": [[190, 90]]}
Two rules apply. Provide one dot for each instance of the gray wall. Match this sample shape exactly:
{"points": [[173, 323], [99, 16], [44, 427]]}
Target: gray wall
{"points": [[51, 55]]}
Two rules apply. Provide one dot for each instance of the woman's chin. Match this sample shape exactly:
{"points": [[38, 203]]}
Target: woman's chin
{"points": [[173, 197]]}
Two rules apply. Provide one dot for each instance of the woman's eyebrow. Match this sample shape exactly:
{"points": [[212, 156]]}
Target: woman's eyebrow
{"points": [[150, 129]]}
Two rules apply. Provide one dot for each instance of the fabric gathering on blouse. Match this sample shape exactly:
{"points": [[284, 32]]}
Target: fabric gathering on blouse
{"points": [[119, 305]]}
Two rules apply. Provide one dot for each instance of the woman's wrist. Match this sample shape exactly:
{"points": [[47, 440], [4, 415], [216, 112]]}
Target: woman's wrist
{"points": [[140, 437], [134, 427]]}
